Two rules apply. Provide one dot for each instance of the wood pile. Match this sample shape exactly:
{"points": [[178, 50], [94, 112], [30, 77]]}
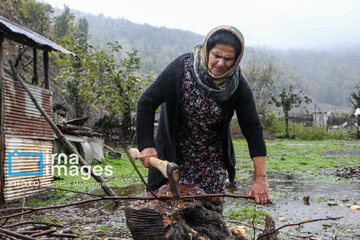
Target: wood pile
{"points": [[177, 219]]}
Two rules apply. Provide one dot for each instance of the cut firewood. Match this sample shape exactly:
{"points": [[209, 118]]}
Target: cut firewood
{"points": [[177, 219]]}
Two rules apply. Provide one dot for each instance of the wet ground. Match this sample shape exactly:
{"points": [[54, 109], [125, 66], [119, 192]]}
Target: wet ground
{"points": [[327, 196], [300, 197]]}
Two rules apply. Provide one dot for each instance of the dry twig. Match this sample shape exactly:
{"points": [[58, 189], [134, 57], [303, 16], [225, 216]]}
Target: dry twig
{"points": [[298, 224], [30, 209]]}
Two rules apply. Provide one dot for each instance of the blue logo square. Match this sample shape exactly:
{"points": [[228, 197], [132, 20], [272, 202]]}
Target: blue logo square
{"points": [[16, 154]]}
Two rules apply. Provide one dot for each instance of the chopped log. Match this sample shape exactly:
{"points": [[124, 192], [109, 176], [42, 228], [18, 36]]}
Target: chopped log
{"points": [[177, 219]]}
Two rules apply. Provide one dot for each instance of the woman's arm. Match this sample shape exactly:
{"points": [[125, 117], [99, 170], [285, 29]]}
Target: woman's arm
{"points": [[260, 186], [252, 130]]}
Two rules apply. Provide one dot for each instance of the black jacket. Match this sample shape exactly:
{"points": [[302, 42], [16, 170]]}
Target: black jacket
{"points": [[166, 91]]}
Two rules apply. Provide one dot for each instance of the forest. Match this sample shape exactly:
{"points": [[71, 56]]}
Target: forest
{"points": [[327, 75]]}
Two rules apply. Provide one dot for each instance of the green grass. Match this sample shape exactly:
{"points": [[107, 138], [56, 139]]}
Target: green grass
{"points": [[297, 156], [248, 215], [123, 175]]}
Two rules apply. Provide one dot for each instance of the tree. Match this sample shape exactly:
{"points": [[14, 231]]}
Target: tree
{"points": [[355, 97], [287, 100], [121, 85], [83, 30], [32, 14], [76, 70], [355, 101], [63, 23], [97, 79], [261, 80]]}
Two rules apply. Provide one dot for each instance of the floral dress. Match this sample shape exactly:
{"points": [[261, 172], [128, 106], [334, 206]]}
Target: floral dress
{"points": [[199, 143]]}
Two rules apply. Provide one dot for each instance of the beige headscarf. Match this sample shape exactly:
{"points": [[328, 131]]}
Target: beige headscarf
{"points": [[222, 80], [219, 88]]}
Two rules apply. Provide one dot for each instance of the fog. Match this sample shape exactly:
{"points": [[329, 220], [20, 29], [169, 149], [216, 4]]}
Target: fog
{"points": [[282, 24]]}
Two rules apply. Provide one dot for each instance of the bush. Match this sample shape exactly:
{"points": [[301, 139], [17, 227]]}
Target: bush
{"points": [[276, 127], [235, 129]]}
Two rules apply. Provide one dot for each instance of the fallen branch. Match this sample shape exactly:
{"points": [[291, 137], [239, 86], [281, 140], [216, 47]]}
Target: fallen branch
{"points": [[68, 190], [7, 236], [30, 209], [15, 234], [33, 222], [2, 224], [297, 224], [43, 233], [89, 214], [15, 215], [64, 235]]}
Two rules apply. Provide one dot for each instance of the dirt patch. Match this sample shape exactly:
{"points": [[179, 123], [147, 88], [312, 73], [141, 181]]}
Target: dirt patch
{"points": [[352, 152], [348, 172]]}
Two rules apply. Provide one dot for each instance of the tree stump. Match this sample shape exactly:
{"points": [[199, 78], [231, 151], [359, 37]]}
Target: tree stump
{"points": [[177, 219]]}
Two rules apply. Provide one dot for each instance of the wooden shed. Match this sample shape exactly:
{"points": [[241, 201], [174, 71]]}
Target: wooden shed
{"points": [[26, 138]]}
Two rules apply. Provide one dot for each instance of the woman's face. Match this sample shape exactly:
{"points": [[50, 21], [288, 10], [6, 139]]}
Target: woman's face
{"points": [[221, 59]]}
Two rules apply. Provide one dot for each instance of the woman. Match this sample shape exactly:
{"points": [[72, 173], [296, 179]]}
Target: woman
{"points": [[198, 93]]}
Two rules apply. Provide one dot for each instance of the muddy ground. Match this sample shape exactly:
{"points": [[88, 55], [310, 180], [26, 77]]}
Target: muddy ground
{"points": [[296, 197], [327, 197]]}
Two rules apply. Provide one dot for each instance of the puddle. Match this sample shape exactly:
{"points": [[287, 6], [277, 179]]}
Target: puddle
{"points": [[328, 198]]}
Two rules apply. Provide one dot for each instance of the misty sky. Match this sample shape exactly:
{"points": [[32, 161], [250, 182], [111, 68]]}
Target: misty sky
{"points": [[276, 23]]}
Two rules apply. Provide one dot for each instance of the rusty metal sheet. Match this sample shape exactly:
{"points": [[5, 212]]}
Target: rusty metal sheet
{"points": [[22, 118], [23, 35], [26, 173]]}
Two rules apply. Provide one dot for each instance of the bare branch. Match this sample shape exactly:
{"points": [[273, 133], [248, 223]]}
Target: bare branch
{"points": [[29, 209], [68, 190], [43, 233], [15, 234], [298, 224], [33, 222]]}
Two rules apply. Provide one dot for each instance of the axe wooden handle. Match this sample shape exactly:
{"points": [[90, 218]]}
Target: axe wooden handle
{"points": [[161, 165]]}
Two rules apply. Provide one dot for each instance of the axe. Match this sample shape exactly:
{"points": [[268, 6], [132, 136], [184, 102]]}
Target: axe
{"points": [[169, 169]]}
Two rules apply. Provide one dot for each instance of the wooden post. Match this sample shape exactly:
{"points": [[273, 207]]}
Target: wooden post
{"points": [[294, 127], [61, 136], [35, 79], [358, 128], [2, 123], [46, 69]]}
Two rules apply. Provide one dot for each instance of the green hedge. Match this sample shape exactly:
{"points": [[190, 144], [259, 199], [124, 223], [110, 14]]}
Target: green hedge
{"points": [[276, 127]]}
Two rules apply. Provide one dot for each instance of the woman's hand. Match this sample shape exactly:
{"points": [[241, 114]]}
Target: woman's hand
{"points": [[260, 186], [145, 154], [260, 190]]}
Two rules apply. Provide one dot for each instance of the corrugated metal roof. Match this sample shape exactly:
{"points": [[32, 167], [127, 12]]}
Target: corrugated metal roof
{"points": [[16, 186], [23, 35], [22, 118]]}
